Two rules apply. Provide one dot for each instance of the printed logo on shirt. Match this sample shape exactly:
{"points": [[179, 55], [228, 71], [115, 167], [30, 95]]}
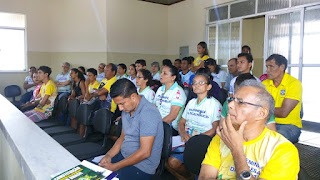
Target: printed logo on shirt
{"points": [[283, 92], [101, 85], [178, 94]]}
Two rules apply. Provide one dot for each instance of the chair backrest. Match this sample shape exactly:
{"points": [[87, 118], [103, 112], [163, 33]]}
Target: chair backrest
{"points": [[102, 121], [73, 106], [223, 95], [63, 105], [194, 152], [55, 112], [83, 114], [12, 91], [166, 148]]}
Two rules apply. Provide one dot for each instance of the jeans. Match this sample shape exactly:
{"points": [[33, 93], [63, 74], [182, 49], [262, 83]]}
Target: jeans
{"points": [[26, 97], [61, 94], [129, 172], [289, 131]]}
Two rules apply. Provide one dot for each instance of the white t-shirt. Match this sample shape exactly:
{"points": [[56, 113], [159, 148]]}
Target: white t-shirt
{"points": [[173, 96], [100, 77], [148, 93], [121, 77], [187, 79], [132, 80], [63, 78], [201, 116], [231, 90], [30, 81], [220, 77], [156, 76]]}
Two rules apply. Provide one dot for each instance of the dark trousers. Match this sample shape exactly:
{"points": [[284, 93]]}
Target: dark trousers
{"points": [[129, 172]]}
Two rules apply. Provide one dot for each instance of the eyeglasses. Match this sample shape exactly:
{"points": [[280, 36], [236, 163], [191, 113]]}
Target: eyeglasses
{"points": [[240, 101], [199, 82]]}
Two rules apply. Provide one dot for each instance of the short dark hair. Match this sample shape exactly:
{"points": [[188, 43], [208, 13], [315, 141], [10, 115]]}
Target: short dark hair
{"points": [[233, 59], [178, 60], [248, 57], [191, 58], [243, 77], [279, 60], [82, 69], [45, 69], [246, 46], [166, 62], [93, 71], [141, 61], [188, 59], [32, 67], [123, 66], [146, 75], [123, 88], [113, 68]]}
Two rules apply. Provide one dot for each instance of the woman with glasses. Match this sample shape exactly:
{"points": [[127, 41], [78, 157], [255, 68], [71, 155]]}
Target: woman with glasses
{"points": [[201, 116], [271, 124], [170, 98], [144, 79]]}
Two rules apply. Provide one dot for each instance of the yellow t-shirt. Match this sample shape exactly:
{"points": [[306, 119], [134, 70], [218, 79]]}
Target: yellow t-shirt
{"points": [[51, 90], [269, 156], [94, 85], [198, 60], [291, 88], [107, 85]]}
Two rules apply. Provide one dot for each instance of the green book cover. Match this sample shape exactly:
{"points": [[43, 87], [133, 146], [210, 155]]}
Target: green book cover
{"points": [[79, 172]]}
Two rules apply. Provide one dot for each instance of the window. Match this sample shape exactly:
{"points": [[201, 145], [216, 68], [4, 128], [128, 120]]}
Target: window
{"points": [[12, 44]]}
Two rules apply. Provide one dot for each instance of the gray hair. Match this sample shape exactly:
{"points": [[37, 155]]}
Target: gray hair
{"points": [[263, 96], [155, 64], [66, 63]]}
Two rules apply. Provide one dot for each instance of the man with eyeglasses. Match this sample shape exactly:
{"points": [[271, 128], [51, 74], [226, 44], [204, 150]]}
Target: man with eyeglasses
{"points": [[63, 81], [244, 65], [243, 147], [287, 92]]}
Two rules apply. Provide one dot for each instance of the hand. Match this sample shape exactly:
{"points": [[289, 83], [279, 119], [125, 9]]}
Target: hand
{"points": [[105, 159], [26, 104], [106, 163], [103, 98], [232, 138], [185, 136]]}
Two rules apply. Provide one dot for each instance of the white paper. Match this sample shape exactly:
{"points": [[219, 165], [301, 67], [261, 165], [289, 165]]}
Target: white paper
{"points": [[97, 159], [176, 141]]}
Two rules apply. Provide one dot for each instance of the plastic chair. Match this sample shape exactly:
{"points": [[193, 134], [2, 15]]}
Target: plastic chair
{"points": [[12, 91], [166, 148], [194, 152], [223, 95], [102, 124]]}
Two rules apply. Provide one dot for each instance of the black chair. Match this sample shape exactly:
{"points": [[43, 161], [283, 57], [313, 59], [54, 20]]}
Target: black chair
{"points": [[60, 107], [166, 148], [82, 116], [102, 124], [186, 91], [194, 152], [303, 175], [13, 91], [223, 95]]}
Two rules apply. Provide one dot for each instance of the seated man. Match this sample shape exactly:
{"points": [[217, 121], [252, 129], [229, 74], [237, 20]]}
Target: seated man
{"points": [[186, 75], [63, 81], [137, 152], [103, 92], [46, 97], [287, 93], [140, 64], [243, 147], [101, 75], [29, 85], [233, 72]]}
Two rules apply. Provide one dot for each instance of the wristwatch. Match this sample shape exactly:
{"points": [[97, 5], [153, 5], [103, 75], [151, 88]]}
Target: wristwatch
{"points": [[244, 175]]}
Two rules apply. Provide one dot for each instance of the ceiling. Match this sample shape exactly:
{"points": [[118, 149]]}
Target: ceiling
{"points": [[164, 2]]}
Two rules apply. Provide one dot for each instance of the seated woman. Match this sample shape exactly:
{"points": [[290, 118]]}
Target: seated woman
{"points": [[78, 90], [45, 98], [170, 98], [33, 102], [201, 116], [132, 74], [144, 78]]}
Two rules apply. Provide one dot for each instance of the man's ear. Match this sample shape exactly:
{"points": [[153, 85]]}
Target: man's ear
{"points": [[263, 113], [282, 67]]}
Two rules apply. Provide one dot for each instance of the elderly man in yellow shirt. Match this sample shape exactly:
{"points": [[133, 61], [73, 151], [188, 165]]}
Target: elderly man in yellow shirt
{"points": [[287, 93], [243, 147]]}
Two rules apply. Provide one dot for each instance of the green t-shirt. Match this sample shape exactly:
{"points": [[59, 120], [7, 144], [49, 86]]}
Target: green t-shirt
{"points": [[225, 109]]}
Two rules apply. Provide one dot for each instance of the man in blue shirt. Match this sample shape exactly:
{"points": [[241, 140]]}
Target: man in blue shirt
{"points": [[233, 72], [137, 152]]}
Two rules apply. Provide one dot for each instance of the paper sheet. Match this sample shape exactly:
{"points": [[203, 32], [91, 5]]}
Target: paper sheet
{"points": [[176, 141]]}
